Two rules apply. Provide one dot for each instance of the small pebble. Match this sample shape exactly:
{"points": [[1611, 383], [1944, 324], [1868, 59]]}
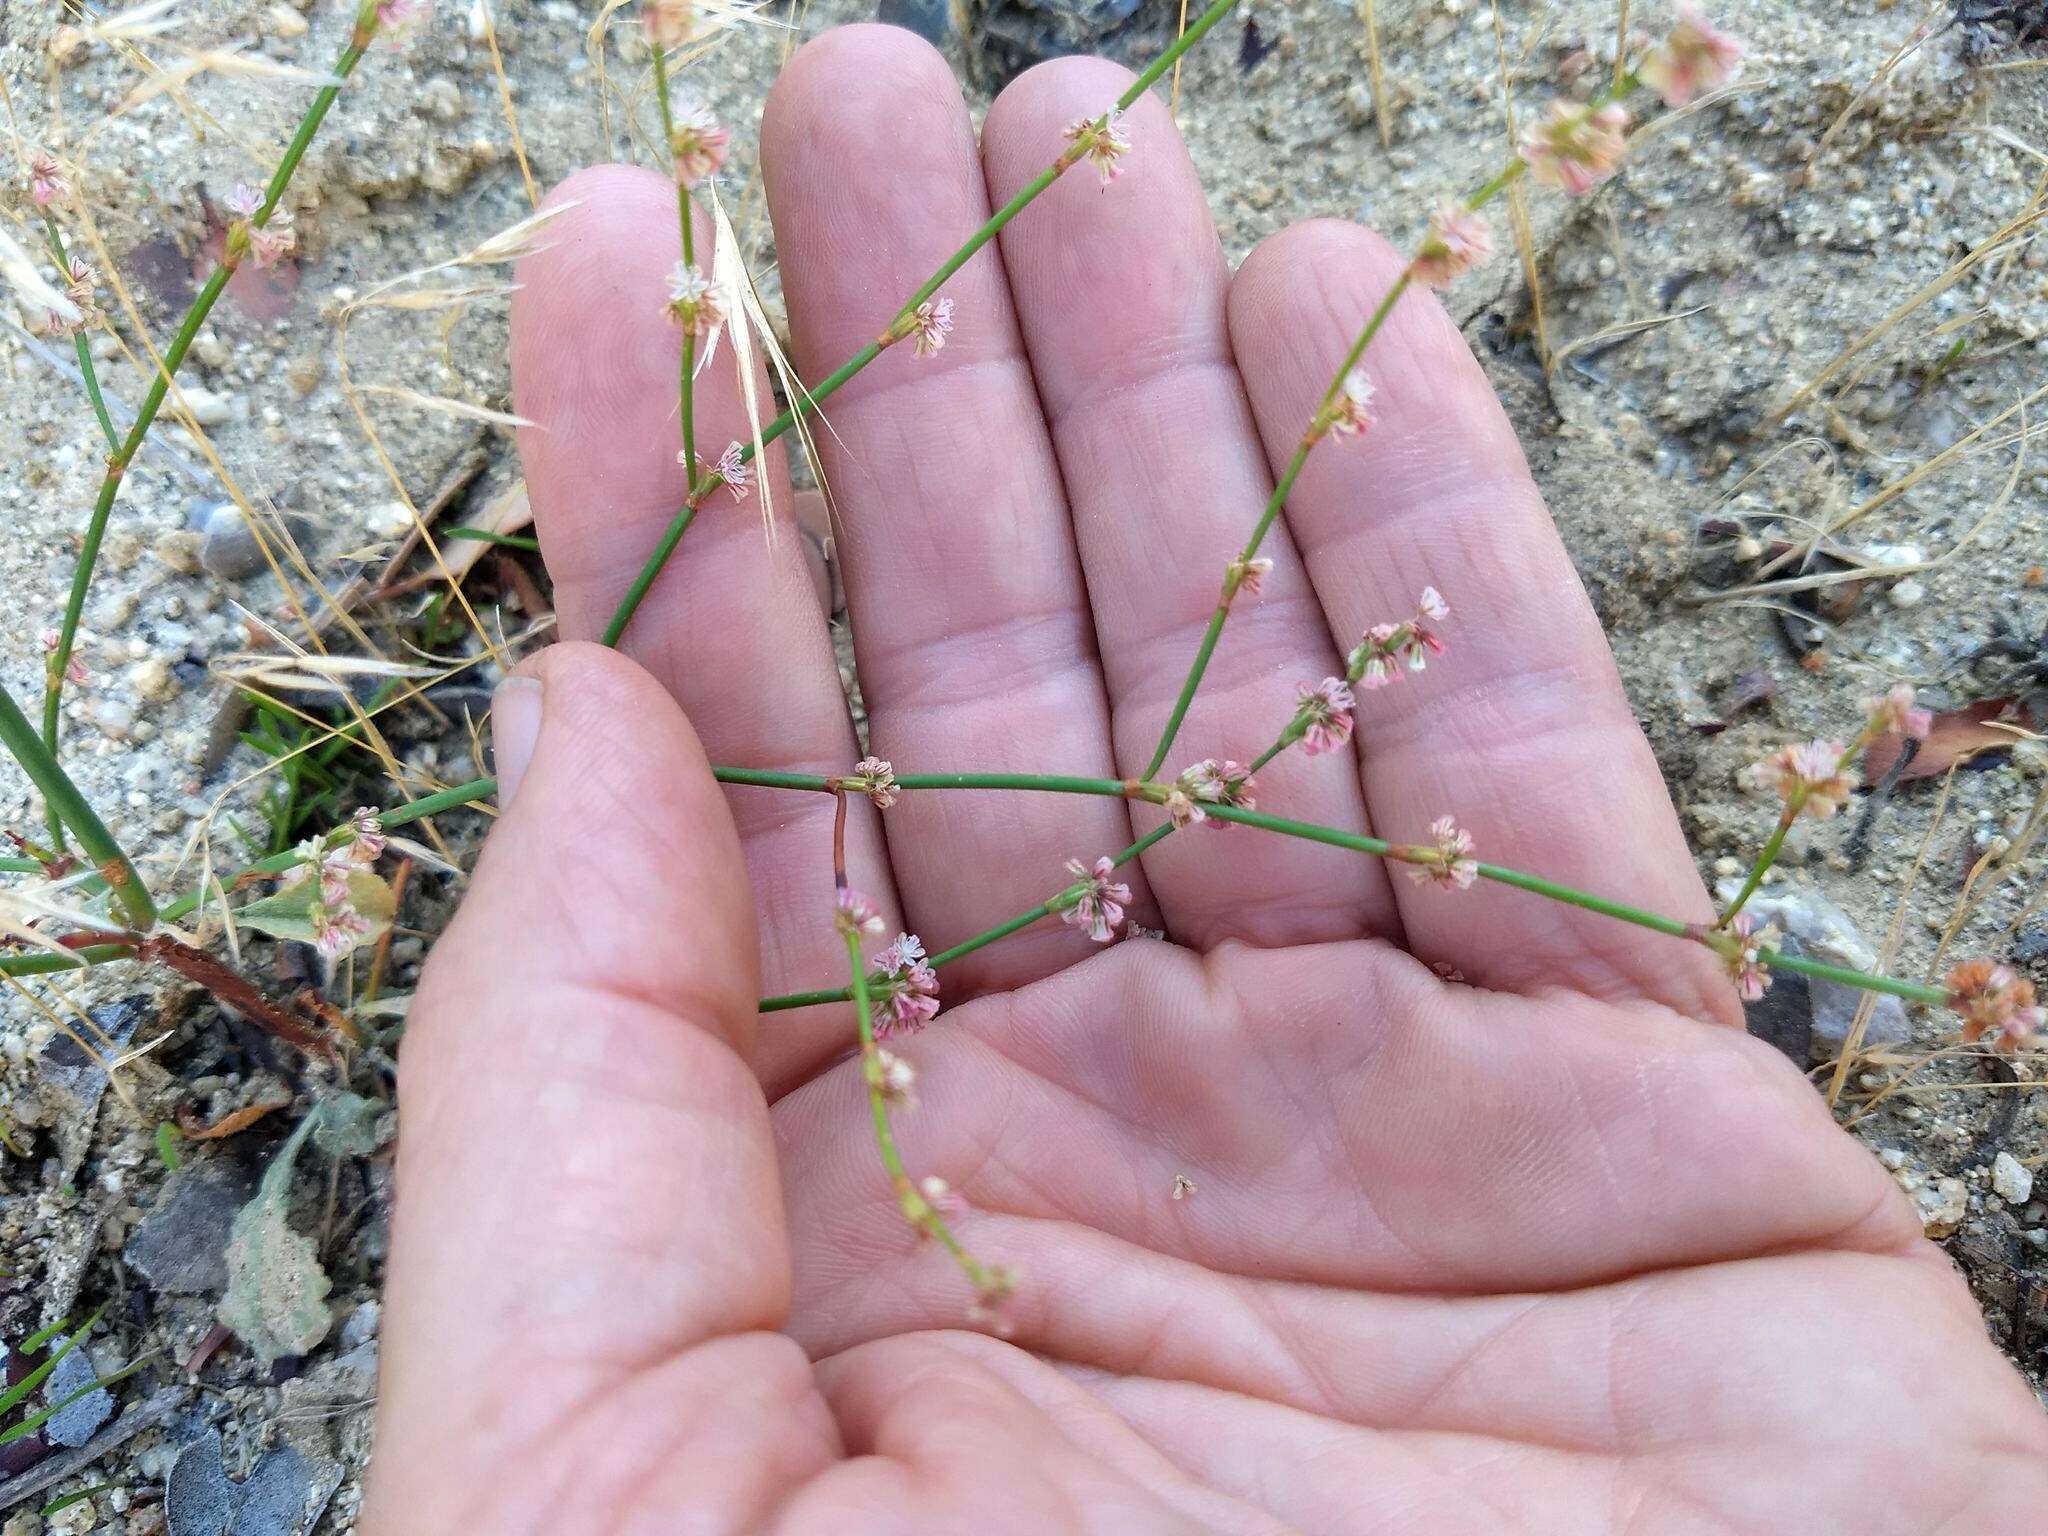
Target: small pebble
{"points": [[2011, 1180], [1908, 594]]}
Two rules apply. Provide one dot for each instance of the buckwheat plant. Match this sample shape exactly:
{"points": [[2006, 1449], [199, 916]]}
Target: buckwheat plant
{"points": [[896, 989]]}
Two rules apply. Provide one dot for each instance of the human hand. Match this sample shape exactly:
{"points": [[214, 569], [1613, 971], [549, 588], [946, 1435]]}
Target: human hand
{"points": [[1546, 1246]]}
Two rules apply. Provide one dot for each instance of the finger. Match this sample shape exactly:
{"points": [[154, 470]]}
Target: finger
{"points": [[1121, 293], [970, 618], [731, 627], [588, 1183], [1520, 732]]}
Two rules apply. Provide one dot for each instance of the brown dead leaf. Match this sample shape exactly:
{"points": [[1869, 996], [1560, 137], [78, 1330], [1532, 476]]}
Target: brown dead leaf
{"points": [[233, 1121], [1958, 735]]}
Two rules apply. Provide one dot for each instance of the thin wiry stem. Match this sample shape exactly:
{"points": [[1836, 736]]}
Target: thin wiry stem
{"points": [[822, 391], [686, 382], [86, 371], [152, 401]]}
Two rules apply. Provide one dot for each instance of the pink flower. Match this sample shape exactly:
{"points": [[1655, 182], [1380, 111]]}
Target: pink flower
{"points": [[1893, 712], [1249, 576], [1576, 147], [698, 145], [1458, 240], [1095, 901], [667, 22], [930, 325], [1744, 956], [338, 928], [693, 301], [1104, 145], [74, 666], [272, 241], [1211, 782], [1807, 777], [368, 844], [1695, 58], [1344, 414], [1995, 1000], [47, 181], [907, 996], [1324, 717], [854, 913], [1431, 604], [875, 777], [895, 1077], [1448, 860], [735, 471], [244, 201], [393, 14], [1377, 659]]}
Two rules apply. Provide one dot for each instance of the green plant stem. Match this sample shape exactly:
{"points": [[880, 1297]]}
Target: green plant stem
{"points": [[686, 382], [817, 394], [86, 372], [1274, 503], [486, 536], [69, 806], [1766, 857], [1066, 784], [152, 401]]}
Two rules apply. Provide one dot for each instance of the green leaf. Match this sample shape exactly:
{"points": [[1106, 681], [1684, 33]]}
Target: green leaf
{"points": [[289, 913], [167, 1137], [21, 1389]]}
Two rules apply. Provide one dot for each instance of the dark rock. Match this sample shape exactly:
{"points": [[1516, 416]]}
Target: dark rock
{"points": [[228, 550], [180, 1247], [931, 20], [281, 1497], [1783, 1017], [1012, 35], [75, 1424], [2030, 946], [67, 1067]]}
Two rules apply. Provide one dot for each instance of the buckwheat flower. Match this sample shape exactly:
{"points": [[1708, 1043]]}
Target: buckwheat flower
{"points": [[1099, 907], [1893, 711], [47, 181], [368, 844], [1807, 777], [1744, 957], [244, 201], [1448, 859], [273, 240], [1249, 576], [74, 667], [930, 324], [1996, 1002], [1326, 713], [876, 778], [1373, 659], [693, 301], [1696, 57], [82, 289], [668, 22], [1459, 239], [1217, 783], [735, 471], [1181, 807], [1345, 414], [338, 928], [1431, 604], [896, 1078], [395, 15], [698, 145], [854, 913], [907, 997], [1576, 147], [1101, 141]]}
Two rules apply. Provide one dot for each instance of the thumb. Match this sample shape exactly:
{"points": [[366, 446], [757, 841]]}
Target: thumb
{"points": [[587, 1184]]}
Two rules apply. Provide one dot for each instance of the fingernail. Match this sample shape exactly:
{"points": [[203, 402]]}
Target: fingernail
{"points": [[515, 726]]}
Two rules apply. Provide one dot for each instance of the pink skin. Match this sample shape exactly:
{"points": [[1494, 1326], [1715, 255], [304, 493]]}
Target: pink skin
{"points": [[1556, 1249]]}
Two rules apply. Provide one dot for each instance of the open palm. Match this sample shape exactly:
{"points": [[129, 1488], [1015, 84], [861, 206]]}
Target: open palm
{"points": [[1360, 1206]]}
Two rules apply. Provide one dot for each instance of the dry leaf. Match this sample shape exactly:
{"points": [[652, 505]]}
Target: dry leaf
{"points": [[1958, 734]]}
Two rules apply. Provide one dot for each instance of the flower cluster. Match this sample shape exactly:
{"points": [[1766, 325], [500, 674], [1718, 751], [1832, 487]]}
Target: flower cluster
{"points": [[1807, 776], [874, 777], [267, 243], [694, 302], [668, 22], [894, 1078], [1893, 712], [907, 995], [1246, 576], [854, 913], [47, 179], [1995, 1002], [1323, 723], [1575, 146], [1100, 140], [929, 326], [1446, 859], [1696, 57], [697, 144], [1344, 414], [1094, 901], [1742, 953], [1458, 240], [338, 924], [74, 667], [1386, 649], [1210, 782], [735, 471]]}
